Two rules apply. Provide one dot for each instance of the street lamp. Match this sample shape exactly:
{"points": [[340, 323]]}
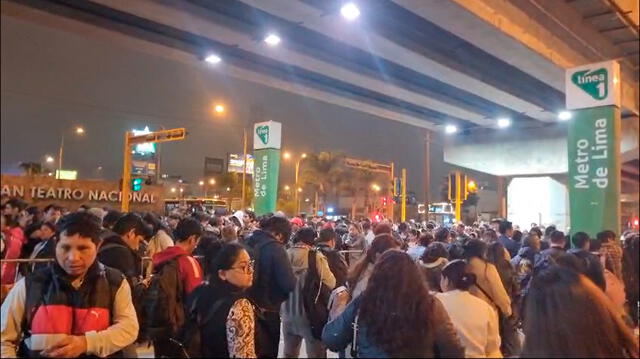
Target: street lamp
{"points": [[287, 155], [219, 109], [212, 181], [286, 187], [79, 131], [50, 159], [201, 183]]}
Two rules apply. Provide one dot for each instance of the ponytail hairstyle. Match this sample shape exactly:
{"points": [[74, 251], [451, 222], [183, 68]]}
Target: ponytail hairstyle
{"points": [[457, 275]]}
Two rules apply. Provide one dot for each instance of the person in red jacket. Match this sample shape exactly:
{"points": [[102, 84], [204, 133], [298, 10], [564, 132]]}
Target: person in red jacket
{"points": [[188, 234], [14, 239]]}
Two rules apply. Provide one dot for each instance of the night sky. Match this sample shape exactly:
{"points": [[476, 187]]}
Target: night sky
{"points": [[54, 80]]}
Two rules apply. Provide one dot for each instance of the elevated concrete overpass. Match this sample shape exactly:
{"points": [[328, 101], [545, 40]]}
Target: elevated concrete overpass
{"points": [[425, 63]]}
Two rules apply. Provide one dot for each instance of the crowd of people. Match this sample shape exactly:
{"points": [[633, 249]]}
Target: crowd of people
{"points": [[96, 282]]}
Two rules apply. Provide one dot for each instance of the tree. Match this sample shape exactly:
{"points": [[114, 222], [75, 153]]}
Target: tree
{"points": [[325, 171], [233, 181], [31, 168]]}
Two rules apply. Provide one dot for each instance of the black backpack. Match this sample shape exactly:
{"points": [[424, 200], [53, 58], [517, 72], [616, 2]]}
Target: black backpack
{"points": [[315, 297], [162, 305]]}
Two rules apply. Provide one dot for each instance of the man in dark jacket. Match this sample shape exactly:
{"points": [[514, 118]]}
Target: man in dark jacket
{"points": [[506, 230], [326, 244], [556, 246], [273, 279], [591, 265], [120, 250]]}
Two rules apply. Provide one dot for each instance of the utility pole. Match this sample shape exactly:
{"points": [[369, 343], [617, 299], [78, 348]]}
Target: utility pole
{"points": [[403, 196], [244, 166], [427, 170]]}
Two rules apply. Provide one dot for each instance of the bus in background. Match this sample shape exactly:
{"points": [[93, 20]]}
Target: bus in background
{"points": [[442, 213]]}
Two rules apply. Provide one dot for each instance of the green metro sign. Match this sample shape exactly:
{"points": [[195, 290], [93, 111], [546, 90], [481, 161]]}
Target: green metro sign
{"points": [[595, 83], [263, 133]]}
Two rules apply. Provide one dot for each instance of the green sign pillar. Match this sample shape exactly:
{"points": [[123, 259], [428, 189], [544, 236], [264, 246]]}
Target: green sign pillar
{"points": [[594, 147], [266, 145]]}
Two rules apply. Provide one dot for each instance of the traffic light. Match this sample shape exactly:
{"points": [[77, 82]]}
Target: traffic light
{"points": [[136, 184]]}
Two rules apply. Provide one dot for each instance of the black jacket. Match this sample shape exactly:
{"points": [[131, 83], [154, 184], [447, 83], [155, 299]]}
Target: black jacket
{"points": [[592, 267], [337, 265], [115, 253], [273, 278]]}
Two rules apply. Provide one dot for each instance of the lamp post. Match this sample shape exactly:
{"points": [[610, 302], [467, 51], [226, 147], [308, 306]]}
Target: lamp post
{"points": [[286, 156], [79, 131]]}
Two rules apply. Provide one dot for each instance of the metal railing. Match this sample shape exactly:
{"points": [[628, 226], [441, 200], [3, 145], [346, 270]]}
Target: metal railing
{"points": [[18, 261]]}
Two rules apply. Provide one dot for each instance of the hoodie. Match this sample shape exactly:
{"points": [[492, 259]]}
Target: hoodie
{"points": [[189, 269]]}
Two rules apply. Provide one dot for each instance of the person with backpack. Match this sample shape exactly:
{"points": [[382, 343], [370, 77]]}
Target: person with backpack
{"points": [[326, 243], [222, 320], [120, 252], [273, 279], [76, 307], [175, 275], [299, 316]]}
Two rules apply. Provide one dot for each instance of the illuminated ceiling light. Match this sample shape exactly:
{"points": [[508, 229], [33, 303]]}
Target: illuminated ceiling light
{"points": [[564, 115], [450, 129], [212, 59], [504, 122], [350, 11], [272, 39]]}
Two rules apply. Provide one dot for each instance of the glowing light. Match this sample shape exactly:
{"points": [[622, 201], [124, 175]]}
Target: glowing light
{"points": [[201, 183], [212, 181], [286, 155], [173, 189], [450, 129], [50, 159], [350, 11], [286, 188], [212, 59], [504, 122], [564, 115], [219, 108], [272, 39], [79, 130]]}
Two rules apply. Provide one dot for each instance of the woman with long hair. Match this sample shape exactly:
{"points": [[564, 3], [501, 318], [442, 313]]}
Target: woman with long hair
{"points": [[498, 256], [395, 316], [225, 314], [568, 316], [474, 320], [488, 284], [360, 273]]}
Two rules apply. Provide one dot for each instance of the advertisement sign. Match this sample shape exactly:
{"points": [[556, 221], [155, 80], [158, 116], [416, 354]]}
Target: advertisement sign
{"points": [[593, 85], [213, 166], [236, 164], [265, 180], [594, 170], [144, 148]]}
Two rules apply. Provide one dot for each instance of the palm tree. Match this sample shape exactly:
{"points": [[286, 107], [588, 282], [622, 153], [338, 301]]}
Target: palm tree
{"points": [[324, 171], [31, 168]]}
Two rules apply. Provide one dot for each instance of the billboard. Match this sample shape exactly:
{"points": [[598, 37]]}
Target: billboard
{"points": [[146, 148], [213, 166], [236, 163]]}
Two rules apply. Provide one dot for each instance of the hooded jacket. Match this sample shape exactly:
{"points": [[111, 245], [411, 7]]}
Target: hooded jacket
{"points": [[273, 279], [189, 269]]}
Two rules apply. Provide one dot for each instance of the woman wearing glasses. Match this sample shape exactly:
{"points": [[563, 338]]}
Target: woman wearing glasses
{"points": [[226, 316]]}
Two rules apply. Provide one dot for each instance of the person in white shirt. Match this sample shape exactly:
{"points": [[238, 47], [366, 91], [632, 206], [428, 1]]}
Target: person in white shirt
{"points": [[475, 321]]}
